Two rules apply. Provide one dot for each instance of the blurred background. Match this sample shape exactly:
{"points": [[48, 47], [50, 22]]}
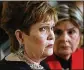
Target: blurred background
{"points": [[4, 39]]}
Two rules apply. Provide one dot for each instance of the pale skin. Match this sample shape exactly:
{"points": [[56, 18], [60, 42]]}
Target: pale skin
{"points": [[67, 39], [39, 43]]}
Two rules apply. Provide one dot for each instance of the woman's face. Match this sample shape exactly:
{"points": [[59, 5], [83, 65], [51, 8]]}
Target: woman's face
{"points": [[67, 38], [40, 41]]}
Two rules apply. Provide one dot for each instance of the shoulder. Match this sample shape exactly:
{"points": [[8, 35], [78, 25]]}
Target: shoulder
{"points": [[13, 65], [12, 57], [51, 58], [77, 59], [12, 62], [45, 65], [78, 52], [53, 63]]}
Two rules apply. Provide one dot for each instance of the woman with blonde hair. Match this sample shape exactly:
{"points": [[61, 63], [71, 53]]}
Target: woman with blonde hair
{"points": [[30, 29]]}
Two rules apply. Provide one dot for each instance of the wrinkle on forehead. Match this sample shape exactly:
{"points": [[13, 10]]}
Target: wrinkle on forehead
{"points": [[66, 24]]}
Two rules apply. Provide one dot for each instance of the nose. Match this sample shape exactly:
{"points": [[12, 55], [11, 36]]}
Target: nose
{"points": [[51, 35], [64, 37]]}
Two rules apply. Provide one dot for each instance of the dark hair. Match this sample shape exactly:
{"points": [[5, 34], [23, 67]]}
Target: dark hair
{"points": [[73, 14], [68, 12], [22, 15]]}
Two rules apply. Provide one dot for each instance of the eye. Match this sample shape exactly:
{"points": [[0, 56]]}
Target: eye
{"points": [[43, 28], [52, 28], [58, 32], [71, 32]]}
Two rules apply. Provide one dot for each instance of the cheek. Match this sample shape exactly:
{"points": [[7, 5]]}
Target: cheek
{"points": [[75, 42], [43, 38], [56, 45], [75, 38], [39, 39]]}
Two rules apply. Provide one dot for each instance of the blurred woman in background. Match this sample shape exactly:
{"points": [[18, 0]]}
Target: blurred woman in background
{"points": [[68, 33]]}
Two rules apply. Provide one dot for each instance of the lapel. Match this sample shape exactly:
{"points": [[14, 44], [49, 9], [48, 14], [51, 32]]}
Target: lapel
{"points": [[76, 63], [78, 60], [53, 63]]}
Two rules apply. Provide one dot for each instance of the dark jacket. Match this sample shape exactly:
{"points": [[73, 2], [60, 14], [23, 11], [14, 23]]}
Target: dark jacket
{"points": [[18, 65]]}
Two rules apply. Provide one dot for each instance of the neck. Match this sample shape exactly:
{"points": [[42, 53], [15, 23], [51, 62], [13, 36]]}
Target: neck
{"points": [[31, 59], [33, 63], [65, 57]]}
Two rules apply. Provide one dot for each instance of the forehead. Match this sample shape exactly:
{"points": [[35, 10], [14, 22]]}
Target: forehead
{"points": [[65, 25], [48, 22], [47, 19]]}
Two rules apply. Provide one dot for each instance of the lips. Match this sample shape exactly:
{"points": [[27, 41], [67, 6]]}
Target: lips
{"points": [[50, 46], [65, 47]]}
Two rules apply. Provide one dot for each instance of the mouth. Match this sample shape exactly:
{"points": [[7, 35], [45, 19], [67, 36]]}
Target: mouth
{"points": [[50, 46], [65, 47]]}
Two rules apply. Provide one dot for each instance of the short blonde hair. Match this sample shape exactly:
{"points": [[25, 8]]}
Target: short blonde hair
{"points": [[22, 15]]}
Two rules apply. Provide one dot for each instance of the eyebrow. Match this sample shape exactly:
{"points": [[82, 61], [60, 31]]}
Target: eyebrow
{"points": [[71, 28], [47, 24], [66, 29]]}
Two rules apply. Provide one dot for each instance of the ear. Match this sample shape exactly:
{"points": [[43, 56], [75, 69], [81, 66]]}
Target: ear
{"points": [[19, 36]]}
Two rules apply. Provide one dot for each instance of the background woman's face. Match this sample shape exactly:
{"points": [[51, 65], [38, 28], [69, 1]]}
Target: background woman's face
{"points": [[67, 38], [40, 40]]}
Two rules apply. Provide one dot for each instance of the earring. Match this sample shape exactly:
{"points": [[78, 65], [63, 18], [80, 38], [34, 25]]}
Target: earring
{"points": [[21, 49]]}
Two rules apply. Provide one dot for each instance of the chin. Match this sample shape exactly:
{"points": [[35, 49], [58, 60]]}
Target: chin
{"points": [[49, 52], [65, 53]]}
